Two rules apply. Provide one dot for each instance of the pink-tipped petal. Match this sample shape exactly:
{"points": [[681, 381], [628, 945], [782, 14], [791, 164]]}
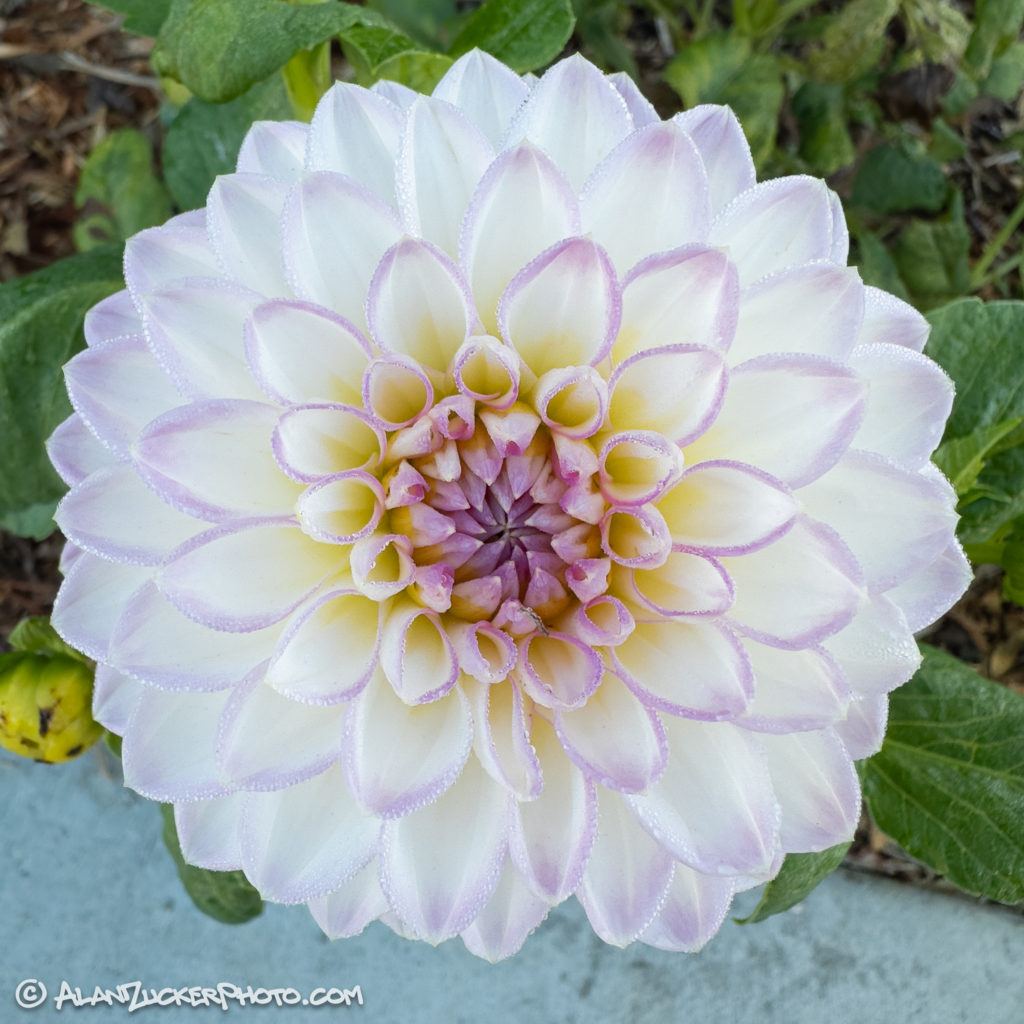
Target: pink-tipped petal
{"points": [[891, 321], [693, 911], [719, 138], [925, 595], [75, 452], [352, 905], [508, 917], [863, 728]]}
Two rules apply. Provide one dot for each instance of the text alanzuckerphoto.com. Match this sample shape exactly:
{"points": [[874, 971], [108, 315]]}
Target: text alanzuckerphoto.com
{"points": [[31, 994]]}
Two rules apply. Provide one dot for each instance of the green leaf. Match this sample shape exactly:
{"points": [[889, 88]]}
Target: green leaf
{"points": [[601, 27], [931, 256], [220, 48], [720, 68], [524, 34], [40, 329], [980, 344], [416, 69], [204, 139], [997, 24], [142, 16], [997, 500], [891, 179], [225, 896], [426, 21], [36, 521], [963, 458], [36, 635], [118, 192], [948, 783], [367, 47], [1012, 561], [1006, 76], [820, 112], [853, 41], [801, 873]]}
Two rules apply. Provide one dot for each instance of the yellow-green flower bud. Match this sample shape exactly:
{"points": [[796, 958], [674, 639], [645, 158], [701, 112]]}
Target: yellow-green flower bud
{"points": [[45, 706]]}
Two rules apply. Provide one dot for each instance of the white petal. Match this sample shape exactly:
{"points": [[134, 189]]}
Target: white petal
{"points": [[896, 522], [927, 594], [114, 697], [863, 729], [563, 309], [676, 390], [440, 865], [692, 668], [158, 258], [213, 460], [640, 108], [522, 205], [876, 651], [117, 387], [415, 653], [687, 584], [113, 317], [91, 599], [154, 642], [719, 139], [727, 508], [817, 308], [689, 296], [208, 832], [243, 217], [794, 691], [817, 788], [113, 514], [614, 739], [355, 132], [442, 158], [790, 415], [693, 911], [195, 330], [300, 352], [502, 926], [799, 590], [275, 148], [501, 736], [327, 650], [399, 758], [305, 841], [244, 576], [575, 115], [775, 224], [75, 452], [266, 741], [891, 321], [627, 877], [909, 400], [335, 232], [485, 90], [550, 837], [352, 906], [168, 747], [419, 305], [648, 195], [714, 807]]}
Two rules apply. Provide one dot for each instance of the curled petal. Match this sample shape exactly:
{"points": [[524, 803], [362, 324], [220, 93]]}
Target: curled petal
{"points": [[487, 371], [399, 757], [314, 441], [572, 400], [614, 739], [627, 876], [440, 865], [687, 584], [638, 466], [304, 841], [396, 391], [342, 508], [382, 565], [416, 655], [484, 652], [636, 537], [558, 671], [550, 838], [563, 308]]}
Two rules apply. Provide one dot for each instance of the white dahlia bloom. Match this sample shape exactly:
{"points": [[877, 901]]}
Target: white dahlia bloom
{"points": [[497, 496]]}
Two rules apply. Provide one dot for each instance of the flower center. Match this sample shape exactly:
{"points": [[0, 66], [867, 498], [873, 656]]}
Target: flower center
{"points": [[494, 518]]}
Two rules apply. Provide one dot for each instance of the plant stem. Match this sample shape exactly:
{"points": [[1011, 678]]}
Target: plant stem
{"points": [[995, 247]]}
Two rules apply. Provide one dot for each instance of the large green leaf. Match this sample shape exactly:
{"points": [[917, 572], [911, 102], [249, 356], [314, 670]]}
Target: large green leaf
{"points": [[220, 48], [721, 68], [40, 329], [204, 139], [225, 896], [118, 192], [367, 47], [426, 21], [142, 16], [931, 256], [963, 458], [524, 34], [892, 179], [948, 783], [801, 873]]}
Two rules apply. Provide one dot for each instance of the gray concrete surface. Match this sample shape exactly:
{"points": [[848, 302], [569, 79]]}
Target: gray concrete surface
{"points": [[89, 896]]}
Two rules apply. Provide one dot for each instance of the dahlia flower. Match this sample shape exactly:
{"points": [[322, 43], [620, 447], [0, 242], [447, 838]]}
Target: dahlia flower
{"points": [[496, 496]]}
